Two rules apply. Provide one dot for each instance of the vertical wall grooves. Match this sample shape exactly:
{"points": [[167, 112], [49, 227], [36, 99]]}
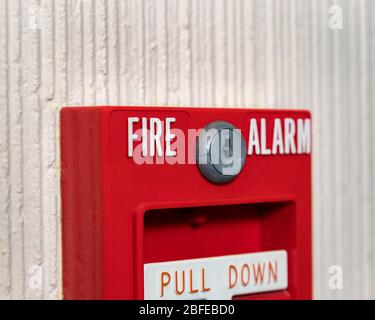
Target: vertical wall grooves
{"points": [[5, 239], [41, 159], [18, 262], [372, 138], [47, 97], [113, 54], [365, 69], [339, 179], [251, 53]]}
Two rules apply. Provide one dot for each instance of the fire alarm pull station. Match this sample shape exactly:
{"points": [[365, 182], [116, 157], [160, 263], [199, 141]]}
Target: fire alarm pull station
{"points": [[186, 203]]}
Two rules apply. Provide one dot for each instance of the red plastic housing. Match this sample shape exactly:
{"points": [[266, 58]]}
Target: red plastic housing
{"points": [[117, 215]]}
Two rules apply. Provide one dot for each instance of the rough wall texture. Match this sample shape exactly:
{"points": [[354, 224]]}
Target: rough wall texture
{"points": [[248, 53]]}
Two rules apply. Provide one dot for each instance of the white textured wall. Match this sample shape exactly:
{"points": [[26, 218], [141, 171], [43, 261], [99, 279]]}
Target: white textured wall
{"points": [[265, 53]]}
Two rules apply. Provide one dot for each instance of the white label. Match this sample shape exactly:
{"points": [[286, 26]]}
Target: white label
{"points": [[216, 278]]}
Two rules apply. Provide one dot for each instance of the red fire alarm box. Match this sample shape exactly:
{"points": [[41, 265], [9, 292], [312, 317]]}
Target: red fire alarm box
{"points": [[186, 203]]}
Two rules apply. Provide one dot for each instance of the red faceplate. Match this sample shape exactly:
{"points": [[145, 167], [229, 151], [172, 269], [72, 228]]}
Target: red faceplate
{"points": [[118, 215]]}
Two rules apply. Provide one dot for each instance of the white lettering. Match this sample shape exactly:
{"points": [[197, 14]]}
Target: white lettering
{"points": [[144, 137], [263, 138], [304, 139], [131, 135], [155, 135], [274, 137], [169, 137], [289, 134], [277, 143], [253, 138]]}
